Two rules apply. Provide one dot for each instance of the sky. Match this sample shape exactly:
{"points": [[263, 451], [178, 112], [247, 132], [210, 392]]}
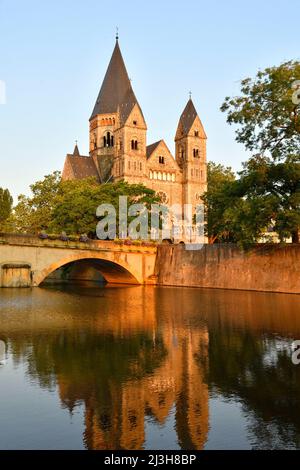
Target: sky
{"points": [[54, 54]]}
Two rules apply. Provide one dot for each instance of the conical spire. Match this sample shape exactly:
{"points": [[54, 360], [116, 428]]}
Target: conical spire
{"points": [[116, 86], [76, 151], [188, 116]]}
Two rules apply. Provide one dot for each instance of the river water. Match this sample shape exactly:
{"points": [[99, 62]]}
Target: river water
{"points": [[131, 367]]}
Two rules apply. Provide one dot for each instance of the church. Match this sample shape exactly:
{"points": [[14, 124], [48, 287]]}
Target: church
{"points": [[118, 147]]}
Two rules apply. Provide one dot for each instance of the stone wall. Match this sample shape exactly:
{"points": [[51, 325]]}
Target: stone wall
{"points": [[269, 268]]}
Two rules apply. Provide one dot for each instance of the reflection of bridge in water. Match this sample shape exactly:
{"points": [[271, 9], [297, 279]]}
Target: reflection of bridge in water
{"points": [[28, 261]]}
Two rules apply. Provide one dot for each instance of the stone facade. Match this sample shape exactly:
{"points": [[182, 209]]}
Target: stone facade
{"points": [[118, 144]]}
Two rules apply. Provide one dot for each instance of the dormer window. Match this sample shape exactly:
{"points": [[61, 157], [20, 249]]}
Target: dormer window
{"points": [[161, 160]]}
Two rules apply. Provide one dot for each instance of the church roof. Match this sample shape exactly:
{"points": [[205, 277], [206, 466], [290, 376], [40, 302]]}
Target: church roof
{"points": [[82, 167], [116, 91], [150, 148], [188, 116]]}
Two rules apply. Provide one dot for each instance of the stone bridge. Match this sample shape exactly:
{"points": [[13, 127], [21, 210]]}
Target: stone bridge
{"points": [[27, 261]]}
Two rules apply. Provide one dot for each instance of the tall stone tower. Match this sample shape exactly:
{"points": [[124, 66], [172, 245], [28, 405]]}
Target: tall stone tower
{"points": [[117, 127], [190, 154]]}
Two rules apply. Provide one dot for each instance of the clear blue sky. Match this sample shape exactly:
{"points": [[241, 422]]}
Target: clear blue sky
{"points": [[53, 56]]}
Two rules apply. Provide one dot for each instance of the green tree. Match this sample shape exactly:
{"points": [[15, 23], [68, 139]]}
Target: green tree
{"points": [[77, 201], [268, 190], [268, 118], [216, 200], [6, 204], [34, 213]]}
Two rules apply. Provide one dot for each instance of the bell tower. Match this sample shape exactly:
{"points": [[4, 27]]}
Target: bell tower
{"points": [[117, 126], [190, 144]]}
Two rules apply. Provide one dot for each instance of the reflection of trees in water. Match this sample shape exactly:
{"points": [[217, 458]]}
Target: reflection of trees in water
{"points": [[263, 377]]}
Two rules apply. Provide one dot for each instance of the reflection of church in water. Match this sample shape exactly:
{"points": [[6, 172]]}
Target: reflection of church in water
{"points": [[176, 385]]}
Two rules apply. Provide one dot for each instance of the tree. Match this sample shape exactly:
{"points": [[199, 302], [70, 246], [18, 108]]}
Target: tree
{"points": [[216, 200], [6, 203], [77, 201], [268, 190], [268, 118], [34, 213]]}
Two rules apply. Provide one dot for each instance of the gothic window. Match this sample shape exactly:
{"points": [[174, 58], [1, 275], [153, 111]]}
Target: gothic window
{"points": [[161, 160], [196, 133], [132, 145], [108, 140], [196, 153], [135, 145], [182, 154]]}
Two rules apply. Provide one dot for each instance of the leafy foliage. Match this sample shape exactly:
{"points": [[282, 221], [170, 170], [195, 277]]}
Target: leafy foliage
{"points": [[70, 206], [269, 121], [6, 203]]}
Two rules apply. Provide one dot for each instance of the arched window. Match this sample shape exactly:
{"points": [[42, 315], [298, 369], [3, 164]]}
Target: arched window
{"points": [[155, 175], [196, 153], [132, 144], [169, 177], [135, 145], [151, 175], [164, 176], [104, 141], [161, 160], [173, 177], [159, 175]]}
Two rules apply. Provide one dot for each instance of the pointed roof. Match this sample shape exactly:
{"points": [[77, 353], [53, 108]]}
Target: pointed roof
{"points": [[76, 151], [150, 148], [188, 116], [116, 91]]}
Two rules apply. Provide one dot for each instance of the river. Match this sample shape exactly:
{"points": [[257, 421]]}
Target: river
{"points": [[132, 367]]}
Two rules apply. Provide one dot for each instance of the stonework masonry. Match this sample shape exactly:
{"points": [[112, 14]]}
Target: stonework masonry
{"points": [[265, 268]]}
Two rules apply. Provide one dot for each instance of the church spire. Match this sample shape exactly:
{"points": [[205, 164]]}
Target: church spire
{"points": [[116, 86], [76, 151]]}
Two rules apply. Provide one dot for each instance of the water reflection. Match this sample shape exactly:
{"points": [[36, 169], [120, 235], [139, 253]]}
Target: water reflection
{"points": [[132, 355]]}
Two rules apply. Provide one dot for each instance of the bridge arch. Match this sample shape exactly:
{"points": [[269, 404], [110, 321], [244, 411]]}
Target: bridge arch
{"points": [[114, 269]]}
